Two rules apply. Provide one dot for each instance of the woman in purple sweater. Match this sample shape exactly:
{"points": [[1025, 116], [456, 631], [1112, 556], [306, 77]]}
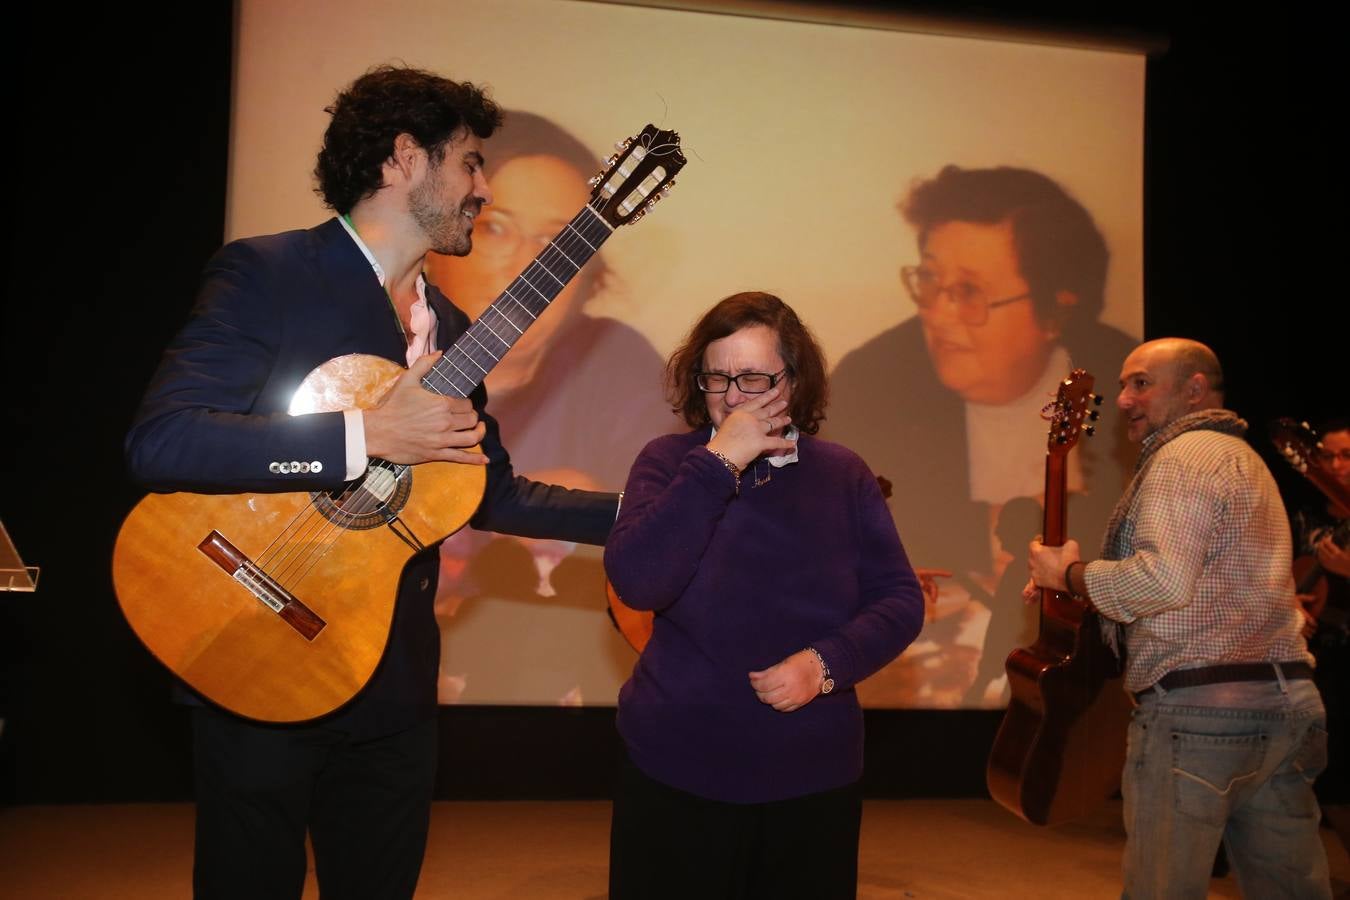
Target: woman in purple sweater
{"points": [[778, 582]]}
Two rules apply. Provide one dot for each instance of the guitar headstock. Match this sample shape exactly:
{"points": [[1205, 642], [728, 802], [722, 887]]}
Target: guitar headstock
{"points": [[640, 173], [1071, 413], [1302, 449], [1297, 444]]}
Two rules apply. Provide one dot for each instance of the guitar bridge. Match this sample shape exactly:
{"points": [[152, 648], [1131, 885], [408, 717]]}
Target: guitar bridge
{"points": [[261, 585]]}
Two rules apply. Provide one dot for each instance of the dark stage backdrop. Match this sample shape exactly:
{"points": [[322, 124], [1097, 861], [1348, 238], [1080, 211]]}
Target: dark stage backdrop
{"points": [[118, 160]]}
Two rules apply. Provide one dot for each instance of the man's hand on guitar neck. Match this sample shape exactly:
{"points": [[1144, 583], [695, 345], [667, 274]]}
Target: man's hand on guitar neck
{"points": [[1048, 565], [413, 425]]}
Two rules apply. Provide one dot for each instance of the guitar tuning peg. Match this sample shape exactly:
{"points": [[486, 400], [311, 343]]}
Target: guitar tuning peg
{"points": [[621, 145], [611, 160], [1090, 429], [1061, 439], [595, 180], [1097, 399], [1094, 415]]}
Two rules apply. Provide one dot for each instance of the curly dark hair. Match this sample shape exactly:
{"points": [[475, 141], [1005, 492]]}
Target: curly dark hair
{"points": [[801, 354], [379, 106], [1058, 245], [527, 134]]}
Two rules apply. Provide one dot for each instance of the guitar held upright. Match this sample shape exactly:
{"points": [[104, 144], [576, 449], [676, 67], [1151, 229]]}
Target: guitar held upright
{"points": [[1059, 751]]}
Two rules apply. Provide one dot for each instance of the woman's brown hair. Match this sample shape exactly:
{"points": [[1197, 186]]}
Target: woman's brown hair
{"points": [[801, 355]]}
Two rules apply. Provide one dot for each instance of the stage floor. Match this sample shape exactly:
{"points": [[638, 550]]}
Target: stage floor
{"points": [[926, 849]]}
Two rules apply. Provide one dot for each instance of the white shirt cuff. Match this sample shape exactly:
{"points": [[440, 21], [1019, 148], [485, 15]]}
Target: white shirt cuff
{"points": [[356, 443]]}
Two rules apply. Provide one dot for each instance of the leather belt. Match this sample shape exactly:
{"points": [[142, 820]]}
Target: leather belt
{"points": [[1181, 678]]}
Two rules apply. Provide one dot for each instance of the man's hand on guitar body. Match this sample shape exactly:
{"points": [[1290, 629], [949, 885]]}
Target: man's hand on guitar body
{"points": [[413, 425]]}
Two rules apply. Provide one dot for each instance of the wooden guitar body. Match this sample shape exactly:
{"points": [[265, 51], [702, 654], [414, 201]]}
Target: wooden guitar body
{"points": [[1058, 754], [216, 635], [636, 625]]}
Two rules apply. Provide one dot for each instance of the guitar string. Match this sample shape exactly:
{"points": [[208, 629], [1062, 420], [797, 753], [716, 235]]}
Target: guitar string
{"points": [[343, 513]]}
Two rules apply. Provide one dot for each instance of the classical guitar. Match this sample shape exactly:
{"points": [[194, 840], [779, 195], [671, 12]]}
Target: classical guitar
{"points": [[277, 607], [1059, 751], [1299, 446]]}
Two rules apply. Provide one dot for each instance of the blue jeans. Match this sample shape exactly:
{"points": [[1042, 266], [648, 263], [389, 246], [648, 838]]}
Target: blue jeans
{"points": [[1233, 762]]}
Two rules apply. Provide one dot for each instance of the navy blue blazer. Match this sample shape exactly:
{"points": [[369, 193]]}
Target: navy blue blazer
{"points": [[214, 420]]}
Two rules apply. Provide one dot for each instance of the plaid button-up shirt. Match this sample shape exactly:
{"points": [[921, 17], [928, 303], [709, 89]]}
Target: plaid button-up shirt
{"points": [[1196, 559]]}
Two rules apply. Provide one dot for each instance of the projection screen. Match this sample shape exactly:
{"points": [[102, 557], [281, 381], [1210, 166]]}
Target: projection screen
{"points": [[804, 142]]}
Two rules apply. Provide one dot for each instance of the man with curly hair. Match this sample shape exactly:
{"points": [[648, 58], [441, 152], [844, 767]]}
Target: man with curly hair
{"points": [[402, 166]]}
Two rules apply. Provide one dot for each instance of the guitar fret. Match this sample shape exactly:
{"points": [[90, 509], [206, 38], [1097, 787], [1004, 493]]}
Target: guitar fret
{"points": [[561, 282], [556, 249], [504, 317], [457, 368], [505, 342], [495, 358], [482, 368], [434, 374], [547, 298], [528, 312], [580, 236]]}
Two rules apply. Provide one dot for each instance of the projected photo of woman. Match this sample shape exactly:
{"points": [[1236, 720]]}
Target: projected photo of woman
{"points": [[1008, 282], [576, 398]]}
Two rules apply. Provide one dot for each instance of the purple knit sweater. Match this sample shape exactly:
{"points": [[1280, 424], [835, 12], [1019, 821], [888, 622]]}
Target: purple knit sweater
{"points": [[739, 583]]}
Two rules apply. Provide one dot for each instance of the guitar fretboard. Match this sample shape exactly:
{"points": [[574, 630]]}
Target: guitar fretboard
{"points": [[468, 361]]}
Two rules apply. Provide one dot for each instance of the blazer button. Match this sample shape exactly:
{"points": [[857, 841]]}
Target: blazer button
{"points": [[426, 583]]}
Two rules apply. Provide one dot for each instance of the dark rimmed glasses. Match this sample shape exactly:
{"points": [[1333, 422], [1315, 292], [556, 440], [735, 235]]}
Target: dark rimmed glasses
{"points": [[972, 306], [746, 382]]}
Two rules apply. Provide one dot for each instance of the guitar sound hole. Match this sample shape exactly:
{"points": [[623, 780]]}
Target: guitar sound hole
{"points": [[374, 501]]}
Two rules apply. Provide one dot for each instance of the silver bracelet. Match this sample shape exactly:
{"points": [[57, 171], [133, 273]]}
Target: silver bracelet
{"points": [[826, 682]]}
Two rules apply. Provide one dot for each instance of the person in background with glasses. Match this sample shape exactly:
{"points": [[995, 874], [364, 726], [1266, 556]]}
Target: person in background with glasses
{"points": [[576, 398], [778, 582], [1320, 531], [1008, 282]]}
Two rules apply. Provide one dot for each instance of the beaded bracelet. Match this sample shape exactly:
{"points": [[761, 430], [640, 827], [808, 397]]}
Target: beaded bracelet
{"points": [[731, 466]]}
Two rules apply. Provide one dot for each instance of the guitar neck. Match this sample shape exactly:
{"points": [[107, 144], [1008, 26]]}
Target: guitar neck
{"points": [[1054, 528], [464, 366]]}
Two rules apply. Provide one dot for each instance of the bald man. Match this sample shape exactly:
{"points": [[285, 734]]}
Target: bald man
{"points": [[1229, 733]]}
